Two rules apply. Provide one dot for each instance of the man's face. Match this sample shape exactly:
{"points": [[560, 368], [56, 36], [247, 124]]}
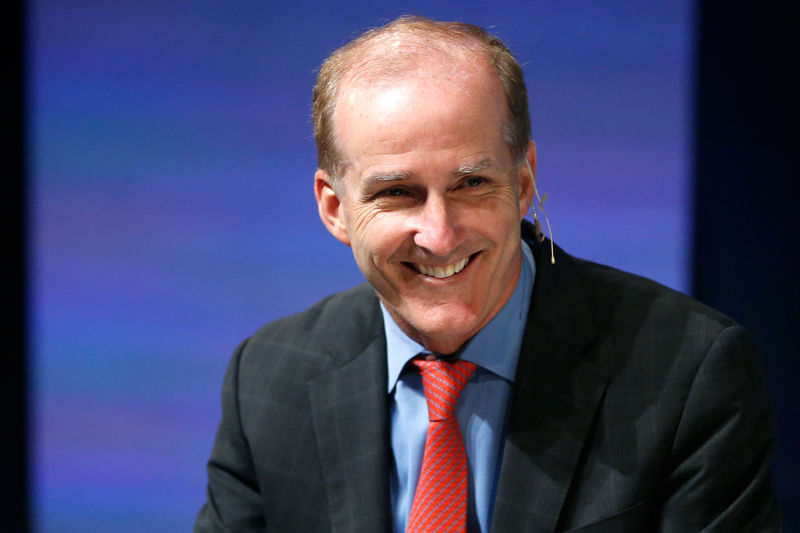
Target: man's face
{"points": [[431, 201]]}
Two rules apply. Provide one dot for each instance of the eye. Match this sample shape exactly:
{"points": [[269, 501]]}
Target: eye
{"points": [[394, 192], [474, 181]]}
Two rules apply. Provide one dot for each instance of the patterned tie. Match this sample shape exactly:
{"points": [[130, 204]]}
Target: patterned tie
{"points": [[440, 502]]}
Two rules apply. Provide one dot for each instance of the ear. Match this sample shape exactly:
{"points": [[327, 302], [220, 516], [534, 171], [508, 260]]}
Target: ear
{"points": [[527, 180], [330, 207]]}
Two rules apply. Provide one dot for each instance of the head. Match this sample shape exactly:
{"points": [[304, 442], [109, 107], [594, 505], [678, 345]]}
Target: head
{"points": [[389, 50], [421, 173]]}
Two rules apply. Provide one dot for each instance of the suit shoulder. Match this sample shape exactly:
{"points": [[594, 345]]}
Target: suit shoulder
{"points": [[648, 329], [635, 294], [630, 317], [341, 323], [610, 293]]}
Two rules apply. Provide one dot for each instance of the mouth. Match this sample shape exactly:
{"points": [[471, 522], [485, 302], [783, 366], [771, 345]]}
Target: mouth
{"points": [[441, 272]]}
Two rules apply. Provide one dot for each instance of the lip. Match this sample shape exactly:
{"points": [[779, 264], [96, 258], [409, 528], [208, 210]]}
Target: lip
{"points": [[441, 272]]}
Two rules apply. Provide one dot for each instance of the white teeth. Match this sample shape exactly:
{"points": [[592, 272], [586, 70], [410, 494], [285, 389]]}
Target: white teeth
{"points": [[443, 272]]}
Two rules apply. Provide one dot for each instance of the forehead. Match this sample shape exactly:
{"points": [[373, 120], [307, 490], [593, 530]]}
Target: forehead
{"points": [[436, 107]]}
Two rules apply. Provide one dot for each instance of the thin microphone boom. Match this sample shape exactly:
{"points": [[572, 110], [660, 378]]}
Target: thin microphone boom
{"points": [[536, 222]]}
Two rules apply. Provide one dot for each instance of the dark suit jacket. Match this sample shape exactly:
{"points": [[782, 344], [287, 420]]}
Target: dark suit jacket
{"points": [[635, 408]]}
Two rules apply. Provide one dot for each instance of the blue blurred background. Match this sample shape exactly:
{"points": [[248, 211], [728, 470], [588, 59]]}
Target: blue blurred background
{"points": [[170, 163]]}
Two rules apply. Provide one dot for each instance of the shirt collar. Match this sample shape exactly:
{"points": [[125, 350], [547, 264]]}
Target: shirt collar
{"points": [[495, 347]]}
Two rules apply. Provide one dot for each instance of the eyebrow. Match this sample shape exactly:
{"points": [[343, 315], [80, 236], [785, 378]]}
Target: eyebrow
{"points": [[462, 170], [386, 176], [480, 166]]}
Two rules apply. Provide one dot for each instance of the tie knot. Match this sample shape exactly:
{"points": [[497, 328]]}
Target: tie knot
{"points": [[443, 382]]}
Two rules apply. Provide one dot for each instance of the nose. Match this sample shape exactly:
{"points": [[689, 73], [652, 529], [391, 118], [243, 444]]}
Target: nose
{"points": [[437, 231]]}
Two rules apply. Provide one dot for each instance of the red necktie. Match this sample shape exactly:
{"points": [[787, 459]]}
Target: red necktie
{"points": [[440, 502]]}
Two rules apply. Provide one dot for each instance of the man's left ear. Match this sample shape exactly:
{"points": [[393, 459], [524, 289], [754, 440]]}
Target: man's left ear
{"points": [[330, 206], [527, 180]]}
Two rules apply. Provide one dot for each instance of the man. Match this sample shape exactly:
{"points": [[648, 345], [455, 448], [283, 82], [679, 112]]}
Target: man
{"points": [[587, 399]]}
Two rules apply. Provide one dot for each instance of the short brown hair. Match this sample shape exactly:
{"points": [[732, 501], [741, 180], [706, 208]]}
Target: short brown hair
{"points": [[416, 31]]}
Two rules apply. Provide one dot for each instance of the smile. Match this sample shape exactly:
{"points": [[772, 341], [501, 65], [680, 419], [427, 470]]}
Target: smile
{"points": [[441, 272]]}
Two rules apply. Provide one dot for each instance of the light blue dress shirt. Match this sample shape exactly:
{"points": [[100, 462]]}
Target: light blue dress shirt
{"points": [[481, 409]]}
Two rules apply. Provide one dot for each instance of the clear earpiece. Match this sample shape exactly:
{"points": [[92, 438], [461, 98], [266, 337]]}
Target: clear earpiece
{"points": [[540, 200]]}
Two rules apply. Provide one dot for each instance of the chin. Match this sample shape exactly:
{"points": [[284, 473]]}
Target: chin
{"points": [[442, 328]]}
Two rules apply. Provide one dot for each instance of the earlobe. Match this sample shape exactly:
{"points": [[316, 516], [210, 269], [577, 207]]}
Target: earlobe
{"points": [[330, 207]]}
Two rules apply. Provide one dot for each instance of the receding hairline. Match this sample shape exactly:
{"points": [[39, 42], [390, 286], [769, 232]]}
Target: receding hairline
{"points": [[411, 50]]}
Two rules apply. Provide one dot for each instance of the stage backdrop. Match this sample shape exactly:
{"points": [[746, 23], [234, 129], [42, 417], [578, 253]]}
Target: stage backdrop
{"points": [[172, 210]]}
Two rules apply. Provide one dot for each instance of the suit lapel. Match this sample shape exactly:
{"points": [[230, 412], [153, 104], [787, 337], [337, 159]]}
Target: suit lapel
{"points": [[556, 397], [349, 413]]}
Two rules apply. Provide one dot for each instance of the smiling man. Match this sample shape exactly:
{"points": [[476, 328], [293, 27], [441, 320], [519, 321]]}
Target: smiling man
{"points": [[479, 381], [429, 196]]}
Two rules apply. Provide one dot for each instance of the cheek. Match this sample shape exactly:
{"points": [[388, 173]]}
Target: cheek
{"points": [[494, 214], [361, 218], [371, 234]]}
